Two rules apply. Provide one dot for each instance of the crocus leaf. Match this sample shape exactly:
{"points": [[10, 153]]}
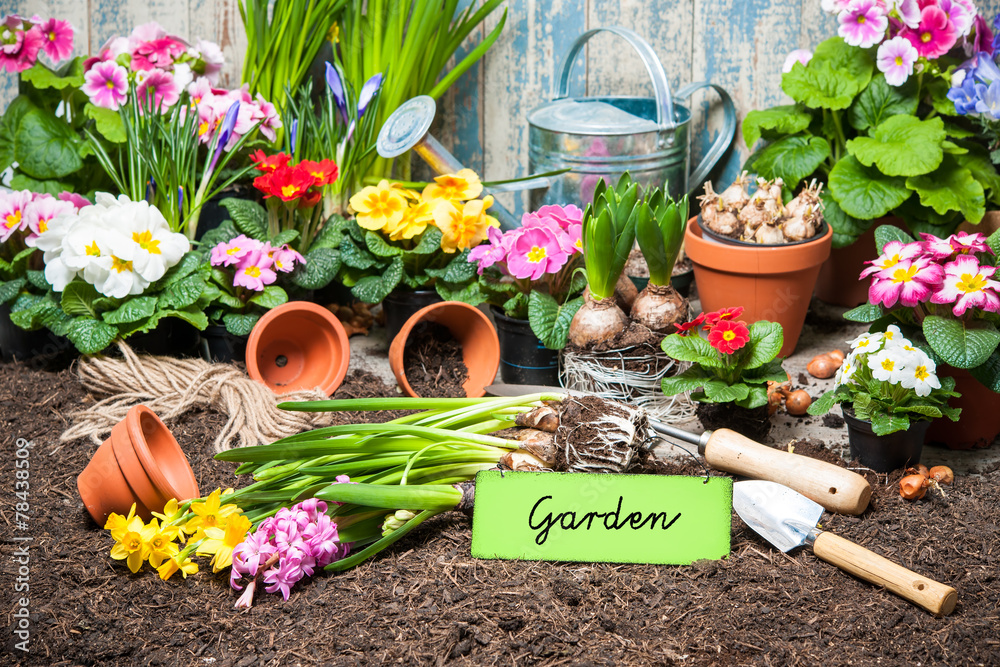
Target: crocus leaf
{"points": [[321, 267], [879, 101], [864, 192], [89, 335], [109, 123], [774, 122], [834, 76], [132, 310], [951, 188], [766, 339], [902, 146], [549, 320], [249, 217], [792, 158], [272, 297], [46, 147], [958, 344]]}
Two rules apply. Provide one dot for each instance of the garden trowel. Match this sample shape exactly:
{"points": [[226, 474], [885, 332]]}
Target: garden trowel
{"points": [[837, 489], [788, 520]]}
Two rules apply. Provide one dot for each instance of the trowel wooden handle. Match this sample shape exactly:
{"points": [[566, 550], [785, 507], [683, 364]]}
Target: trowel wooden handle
{"points": [[835, 488], [854, 558]]}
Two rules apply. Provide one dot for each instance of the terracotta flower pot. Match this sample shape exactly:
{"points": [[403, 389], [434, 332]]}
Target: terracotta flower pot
{"points": [[140, 463], [773, 284], [979, 423], [838, 283], [470, 327], [298, 345]]}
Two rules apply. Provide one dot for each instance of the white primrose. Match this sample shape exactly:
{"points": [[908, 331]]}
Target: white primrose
{"points": [[921, 375], [887, 366]]}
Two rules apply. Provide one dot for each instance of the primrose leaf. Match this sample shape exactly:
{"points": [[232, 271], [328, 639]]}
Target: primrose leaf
{"points": [[879, 101], [884, 423], [989, 372], [718, 391], [774, 122], [834, 76], [78, 299], [902, 146], [249, 217], [866, 314], [91, 336], [182, 293], [132, 310], [70, 75], [46, 147], [951, 188], [766, 339], [272, 297], [792, 158], [321, 267], [691, 348], [693, 378], [886, 233], [373, 289], [239, 324], [10, 289], [109, 123], [550, 321], [960, 345], [863, 192]]}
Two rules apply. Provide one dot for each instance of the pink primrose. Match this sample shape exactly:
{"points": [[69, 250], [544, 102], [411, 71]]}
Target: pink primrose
{"points": [[12, 213], [74, 199], [158, 91], [935, 35], [862, 23], [40, 212], [909, 282], [895, 60], [535, 252], [227, 254], [962, 13], [284, 258], [489, 253], [106, 84], [893, 253], [968, 284], [57, 38], [935, 247], [797, 56], [19, 49], [211, 55], [965, 244], [566, 216]]}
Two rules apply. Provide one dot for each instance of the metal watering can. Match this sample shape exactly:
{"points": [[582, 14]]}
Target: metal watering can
{"points": [[603, 137]]}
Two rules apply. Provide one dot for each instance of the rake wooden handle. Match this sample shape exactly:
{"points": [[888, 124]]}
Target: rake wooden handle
{"points": [[933, 596], [836, 489]]}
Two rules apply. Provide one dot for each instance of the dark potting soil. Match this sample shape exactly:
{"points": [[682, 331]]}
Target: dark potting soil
{"points": [[426, 601], [833, 420], [753, 423], [432, 361]]}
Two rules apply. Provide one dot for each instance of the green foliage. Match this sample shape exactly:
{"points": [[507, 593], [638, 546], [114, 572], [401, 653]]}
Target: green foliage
{"points": [[774, 123], [549, 320], [609, 226], [834, 76]]}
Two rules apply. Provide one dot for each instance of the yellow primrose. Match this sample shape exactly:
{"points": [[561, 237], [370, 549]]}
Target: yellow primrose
{"points": [[220, 543], [180, 562], [411, 195], [161, 542], [379, 206], [208, 514], [118, 524], [462, 186], [131, 547], [414, 222], [463, 225]]}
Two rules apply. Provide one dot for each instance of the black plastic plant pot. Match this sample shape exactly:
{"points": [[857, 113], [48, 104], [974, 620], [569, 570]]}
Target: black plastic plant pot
{"points": [[18, 344], [884, 453], [682, 282], [400, 305], [523, 358], [172, 337], [217, 345]]}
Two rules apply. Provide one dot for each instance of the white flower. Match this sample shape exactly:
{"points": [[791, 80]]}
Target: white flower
{"points": [[893, 337], [183, 76], [887, 366], [120, 279], [867, 343], [921, 375], [846, 370], [156, 247]]}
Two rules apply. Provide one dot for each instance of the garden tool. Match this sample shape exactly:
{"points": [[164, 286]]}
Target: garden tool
{"points": [[408, 127], [837, 489], [788, 520]]}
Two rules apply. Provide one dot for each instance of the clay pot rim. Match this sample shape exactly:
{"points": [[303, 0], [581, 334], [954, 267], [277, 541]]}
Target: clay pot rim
{"points": [[758, 260], [288, 308], [399, 342], [152, 465]]}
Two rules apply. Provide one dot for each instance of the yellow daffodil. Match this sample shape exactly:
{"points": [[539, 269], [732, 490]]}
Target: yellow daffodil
{"points": [[181, 562], [171, 511], [462, 186], [161, 542], [130, 545], [118, 524], [414, 222], [221, 542], [378, 207], [463, 225], [208, 514]]}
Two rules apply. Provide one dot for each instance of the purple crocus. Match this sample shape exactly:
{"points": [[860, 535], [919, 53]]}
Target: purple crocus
{"points": [[295, 133], [368, 92], [335, 86], [225, 131]]}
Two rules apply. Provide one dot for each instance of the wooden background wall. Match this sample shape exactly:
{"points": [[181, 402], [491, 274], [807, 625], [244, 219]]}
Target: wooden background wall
{"points": [[738, 44]]}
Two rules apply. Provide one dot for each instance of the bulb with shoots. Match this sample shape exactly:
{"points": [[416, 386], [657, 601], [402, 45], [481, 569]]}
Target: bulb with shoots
{"points": [[660, 233]]}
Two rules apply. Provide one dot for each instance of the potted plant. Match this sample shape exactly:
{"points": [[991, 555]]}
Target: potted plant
{"points": [[871, 119], [731, 364], [529, 277], [771, 274], [942, 294], [889, 392]]}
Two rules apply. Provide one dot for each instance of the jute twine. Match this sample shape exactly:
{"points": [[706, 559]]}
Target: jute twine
{"points": [[171, 387]]}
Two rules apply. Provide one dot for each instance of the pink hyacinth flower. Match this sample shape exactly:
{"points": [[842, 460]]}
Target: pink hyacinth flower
{"points": [[967, 244], [893, 253], [895, 60], [281, 578], [535, 252], [935, 35], [106, 84], [862, 23], [797, 56], [245, 600], [228, 254], [908, 283], [57, 39], [255, 272], [12, 213], [968, 284], [158, 91], [19, 48]]}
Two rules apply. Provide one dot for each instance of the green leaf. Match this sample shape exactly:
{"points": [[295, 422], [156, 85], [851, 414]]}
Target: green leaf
{"points": [[78, 299], [372, 289], [90, 336], [429, 243], [977, 161], [331, 233], [836, 73], [239, 324], [844, 226], [225, 232], [321, 267], [937, 90], [960, 345], [691, 379], [189, 263], [951, 188], [884, 424], [774, 122], [132, 310], [863, 192], [39, 313], [272, 297], [458, 270], [249, 217], [379, 247], [192, 315], [40, 76], [792, 158], [691, 348], [756, 397], [49, 186], [902, 146], [550, 321], [988, 372], [718, 391], [766, 339], [355, 257], [470, 293], [283, 237], [865, 314], [926, 410], [825, 403], [182, 293], [109, 123], [229, 300], [886, 233], [46, 146], [772, 371], [879, 101], [37, 279], [10, 289]]}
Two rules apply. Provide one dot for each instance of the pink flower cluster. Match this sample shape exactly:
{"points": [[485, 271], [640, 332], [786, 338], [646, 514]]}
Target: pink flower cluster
{"points": [[906, 30], [149, 48], [543, 244], [29, 213], [22, 39], [255, 263], [286, 548], [940, 271]]}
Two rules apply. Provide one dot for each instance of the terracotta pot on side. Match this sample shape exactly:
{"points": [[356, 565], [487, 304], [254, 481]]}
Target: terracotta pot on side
{"points": [[773, 283], [838, 283], [140, 463], [298, 345], [470, 327], [979, 423]]}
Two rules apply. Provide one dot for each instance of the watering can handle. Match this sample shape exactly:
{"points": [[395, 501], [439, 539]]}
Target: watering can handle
{"points": [[725, 136], [664, 104]]}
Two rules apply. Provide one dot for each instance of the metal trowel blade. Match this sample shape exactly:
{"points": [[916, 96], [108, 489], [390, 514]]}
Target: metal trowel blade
{"points": [[777, 513]]}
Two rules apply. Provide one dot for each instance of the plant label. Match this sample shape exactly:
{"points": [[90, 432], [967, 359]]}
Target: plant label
{"points": [[654, 519]]}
